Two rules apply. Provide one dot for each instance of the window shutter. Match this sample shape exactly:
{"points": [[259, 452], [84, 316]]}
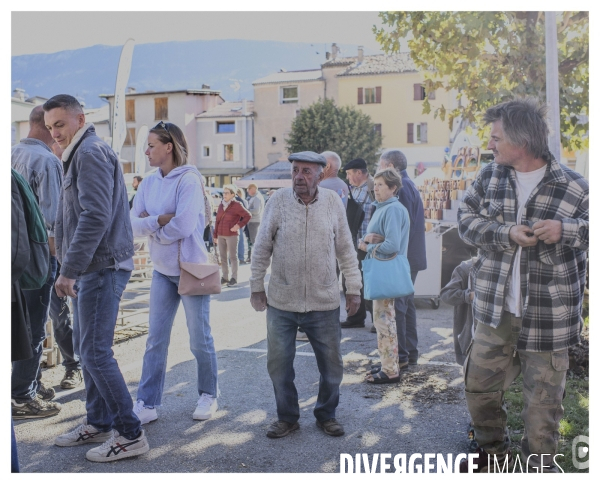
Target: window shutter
{"points": [[423, 132], [360, 95], [378, 94], [236, 152], [417, 92], [410, 133]]}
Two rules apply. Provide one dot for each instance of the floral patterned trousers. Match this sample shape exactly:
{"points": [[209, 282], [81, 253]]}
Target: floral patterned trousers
{"points": [[384, 320]]}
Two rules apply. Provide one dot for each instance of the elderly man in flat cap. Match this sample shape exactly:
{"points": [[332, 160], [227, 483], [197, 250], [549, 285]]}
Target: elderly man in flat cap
{"points": [[304, 231]]}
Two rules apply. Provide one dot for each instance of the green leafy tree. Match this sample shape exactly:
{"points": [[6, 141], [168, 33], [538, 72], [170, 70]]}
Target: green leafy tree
{"points": [[323, 126], [490, 57]]}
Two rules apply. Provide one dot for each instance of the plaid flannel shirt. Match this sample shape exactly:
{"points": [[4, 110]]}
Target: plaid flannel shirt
{"points": [[362, 195], [552, 275]]}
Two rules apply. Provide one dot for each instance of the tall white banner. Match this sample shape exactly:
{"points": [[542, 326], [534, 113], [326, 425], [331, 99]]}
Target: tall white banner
{"points": [[119, 126], [140, 148]]}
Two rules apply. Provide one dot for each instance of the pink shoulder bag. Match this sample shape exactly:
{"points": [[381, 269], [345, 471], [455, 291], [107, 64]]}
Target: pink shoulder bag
{"points": [[198, 279]]}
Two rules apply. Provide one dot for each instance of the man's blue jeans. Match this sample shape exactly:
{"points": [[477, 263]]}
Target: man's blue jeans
{"points": [[24, 372], [95, 309], [324, 333], [164, 302], [63, 329], [14, 454], [406, 326], [241, 246]]}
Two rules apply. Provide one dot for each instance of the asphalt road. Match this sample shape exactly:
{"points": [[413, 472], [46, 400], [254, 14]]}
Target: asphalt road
{"points": [[425, 413]]}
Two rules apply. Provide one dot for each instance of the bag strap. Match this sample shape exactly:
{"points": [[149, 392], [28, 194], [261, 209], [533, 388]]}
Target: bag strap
{"points": [[373, 253], [207, 209], [350, 191]]}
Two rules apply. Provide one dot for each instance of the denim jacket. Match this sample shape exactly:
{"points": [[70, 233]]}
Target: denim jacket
{"points": [[42, 170], [93, 230]]}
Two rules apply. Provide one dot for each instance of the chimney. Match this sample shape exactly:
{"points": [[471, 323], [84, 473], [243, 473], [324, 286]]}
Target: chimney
{"points": [[244, 107], [360, 54], [334, 51], [327, 55], [205, 86], [19, 94], [130, 90]]}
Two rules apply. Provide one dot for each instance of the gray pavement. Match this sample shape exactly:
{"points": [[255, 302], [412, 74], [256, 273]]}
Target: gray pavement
{"points": [[426, 412]]}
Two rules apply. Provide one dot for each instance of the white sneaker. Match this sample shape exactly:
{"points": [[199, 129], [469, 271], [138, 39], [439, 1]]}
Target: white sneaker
{"points": [[83, 434], [118, 447], [207, 406], [145, 414]]}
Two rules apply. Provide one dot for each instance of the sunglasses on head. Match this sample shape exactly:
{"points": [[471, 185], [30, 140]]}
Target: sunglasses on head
{"points": [[163, 125]]}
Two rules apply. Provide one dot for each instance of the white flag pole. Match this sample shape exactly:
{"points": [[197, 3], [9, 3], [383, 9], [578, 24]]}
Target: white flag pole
{"points": [[140, 148], [119, 125]]}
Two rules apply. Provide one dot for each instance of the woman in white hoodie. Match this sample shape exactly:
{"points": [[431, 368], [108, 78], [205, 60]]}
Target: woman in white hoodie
{"points": [[169, 209]]}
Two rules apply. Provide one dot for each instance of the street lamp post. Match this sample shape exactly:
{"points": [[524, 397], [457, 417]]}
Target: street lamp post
{"points": [[552, 93]]}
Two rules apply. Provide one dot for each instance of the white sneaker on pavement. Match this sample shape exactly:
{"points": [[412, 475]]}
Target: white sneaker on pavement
{"points": [[145, 414], [83, 434], [207, 406], [118, 447]]}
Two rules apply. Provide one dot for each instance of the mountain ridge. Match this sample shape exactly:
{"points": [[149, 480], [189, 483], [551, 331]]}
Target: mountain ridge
{"points": [[226, 65]]}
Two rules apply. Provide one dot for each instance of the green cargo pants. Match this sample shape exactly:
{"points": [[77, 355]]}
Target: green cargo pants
{"points": [[492, 364]]}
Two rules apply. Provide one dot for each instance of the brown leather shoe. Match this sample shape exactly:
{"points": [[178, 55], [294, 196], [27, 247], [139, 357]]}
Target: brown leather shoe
{"points": [[281, 429], [331, 427]]}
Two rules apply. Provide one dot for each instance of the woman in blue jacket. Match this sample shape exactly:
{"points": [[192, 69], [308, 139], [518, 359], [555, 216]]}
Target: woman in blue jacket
{"points": [[389, 228]]}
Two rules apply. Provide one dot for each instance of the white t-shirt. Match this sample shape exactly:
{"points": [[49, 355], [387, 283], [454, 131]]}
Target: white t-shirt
{"points": [[526, 182]]}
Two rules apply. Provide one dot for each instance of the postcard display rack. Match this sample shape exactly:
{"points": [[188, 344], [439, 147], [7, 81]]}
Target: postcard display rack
{"points": [[441, 198]]}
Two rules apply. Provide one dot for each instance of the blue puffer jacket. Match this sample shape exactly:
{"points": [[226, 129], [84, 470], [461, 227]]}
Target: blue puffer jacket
{"points": [[92, 230]]}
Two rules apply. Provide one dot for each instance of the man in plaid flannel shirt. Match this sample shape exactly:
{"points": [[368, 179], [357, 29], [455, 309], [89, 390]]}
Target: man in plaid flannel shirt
{"points": [[361, 185], [529, 217]]}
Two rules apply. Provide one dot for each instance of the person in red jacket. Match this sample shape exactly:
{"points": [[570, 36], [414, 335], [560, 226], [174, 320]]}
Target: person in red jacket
{"points": [[231, 217]]}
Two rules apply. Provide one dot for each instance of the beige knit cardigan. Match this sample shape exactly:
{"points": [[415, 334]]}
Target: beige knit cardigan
{"points": [[304, 242]]}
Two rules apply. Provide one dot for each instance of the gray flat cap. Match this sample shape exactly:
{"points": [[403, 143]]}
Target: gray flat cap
{"points": [[308, 157]]}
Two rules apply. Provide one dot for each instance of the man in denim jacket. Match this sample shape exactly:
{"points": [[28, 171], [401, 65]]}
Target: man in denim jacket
{"points": [[529, 217], [94, 244]]}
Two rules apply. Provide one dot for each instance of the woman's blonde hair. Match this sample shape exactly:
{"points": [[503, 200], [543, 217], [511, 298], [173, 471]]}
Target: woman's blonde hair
{"points": [[232, 188], [391, 178], [171, 133]]}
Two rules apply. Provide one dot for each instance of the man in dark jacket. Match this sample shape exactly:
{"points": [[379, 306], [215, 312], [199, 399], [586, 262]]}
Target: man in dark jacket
{"points": [[33, 159], [94, 244], [20, 332], [406, 314]]}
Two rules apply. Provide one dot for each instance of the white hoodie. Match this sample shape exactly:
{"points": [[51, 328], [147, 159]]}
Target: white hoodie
{"points": [[181, 193]]}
